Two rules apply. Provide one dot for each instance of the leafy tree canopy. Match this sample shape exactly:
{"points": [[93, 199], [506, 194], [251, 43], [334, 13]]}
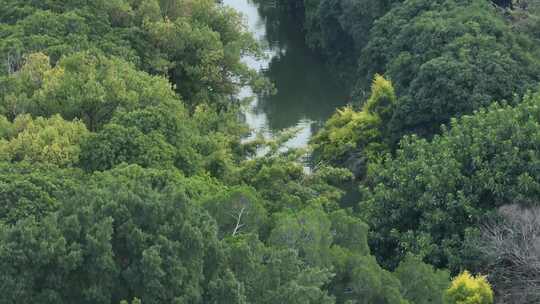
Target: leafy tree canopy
{"points": [[431, 194]]}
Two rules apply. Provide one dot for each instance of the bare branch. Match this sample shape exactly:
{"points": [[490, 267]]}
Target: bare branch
{"points": [[512, 246], [238, 219]]}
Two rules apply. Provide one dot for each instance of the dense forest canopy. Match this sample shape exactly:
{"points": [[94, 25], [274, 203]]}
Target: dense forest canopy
{"points": [[470, 65], [124, 176]]}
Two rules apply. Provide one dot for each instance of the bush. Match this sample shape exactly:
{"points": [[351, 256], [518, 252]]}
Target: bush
{"points": [[467, 289]]}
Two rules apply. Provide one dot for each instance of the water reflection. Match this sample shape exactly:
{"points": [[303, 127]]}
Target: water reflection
{"points": [[307, 94]]}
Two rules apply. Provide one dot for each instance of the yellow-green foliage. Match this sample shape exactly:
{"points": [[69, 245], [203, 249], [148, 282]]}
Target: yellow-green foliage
{"points": [[467, 289], [135, 301], [382, 98], [343, 132], [82, 85], [50, 140], [348, 129]]}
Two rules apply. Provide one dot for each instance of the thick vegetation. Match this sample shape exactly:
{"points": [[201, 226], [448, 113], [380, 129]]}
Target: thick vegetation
{"points": [[446, 58], [123, 177], [196, 44], [425, 190], [354, 138], [432, 194], [467, 289]]}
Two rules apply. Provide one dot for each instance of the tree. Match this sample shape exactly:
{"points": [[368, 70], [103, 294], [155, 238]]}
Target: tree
{"points": [[135, 301], [115, 144], [237, 210], [272, 274], [469, 290], [53, 141], [85, 86], [338, 28], [308, 233], [19, 87], [113, 188], [167, 135], [195, 49], [337, 241], [421, 283], [284, 186], [446, 59], [352, 138], [199, 51], [510, 245], [127, 233], [92, 87], [173, 128], [34, 190], [431, 193], [149, 11]]}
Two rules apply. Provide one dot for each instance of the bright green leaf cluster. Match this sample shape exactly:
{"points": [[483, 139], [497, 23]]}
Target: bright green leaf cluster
{"points": [[351, 137]]}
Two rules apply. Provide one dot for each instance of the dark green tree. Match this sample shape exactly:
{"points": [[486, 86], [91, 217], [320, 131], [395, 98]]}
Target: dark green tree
{"points": [[447, 58], [128, 233], [431, 194]]}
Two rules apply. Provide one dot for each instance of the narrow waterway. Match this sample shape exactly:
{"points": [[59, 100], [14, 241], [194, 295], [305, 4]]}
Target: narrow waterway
{"points": [[307, 94]]}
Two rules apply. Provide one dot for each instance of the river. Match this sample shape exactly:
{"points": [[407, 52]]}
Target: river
{"points": [[307, 94]]}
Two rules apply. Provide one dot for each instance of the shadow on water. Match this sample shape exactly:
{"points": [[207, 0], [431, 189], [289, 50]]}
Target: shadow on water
{"points": [[306, 90], [307, 93]]}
